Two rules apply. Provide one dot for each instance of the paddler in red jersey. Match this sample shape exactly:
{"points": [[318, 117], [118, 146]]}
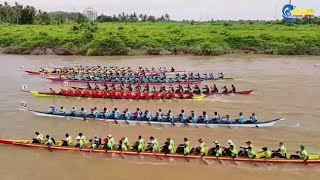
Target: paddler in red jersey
{"points": [[190, 95], [129, 95], [164, 95], [155, 95], [180, 95], [112, 94], [86, 93], [104, 93], [146, 95], [94, 93], [121, 94], [225, 90], [78, 93], [53, 91], [63, 92], [70, 92], [137, 95], [214, 89], [172, 95]]}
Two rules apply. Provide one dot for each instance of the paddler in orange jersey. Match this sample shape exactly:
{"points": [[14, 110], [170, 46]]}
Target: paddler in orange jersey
{"points": [[53, 91], [172, 95]]}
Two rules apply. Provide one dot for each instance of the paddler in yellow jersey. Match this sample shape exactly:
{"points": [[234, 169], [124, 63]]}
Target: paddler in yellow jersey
{"points": [[39, 138], [124, 144], [67, 141], [233, 151], [154, 145], [50, 141], [251, 153], [186, 146], [203, 150], [111, 143], [281, 152], [265, 153], [244, 150], [82, 141], [302, 154], [141, 144], [218, 149], [171, 147]]}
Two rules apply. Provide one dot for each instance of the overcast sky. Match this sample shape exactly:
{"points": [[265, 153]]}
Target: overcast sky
{"points": [[179, 9]]}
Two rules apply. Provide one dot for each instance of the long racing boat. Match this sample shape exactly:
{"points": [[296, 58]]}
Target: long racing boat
{"points": [[267, 123], [313, 159]]}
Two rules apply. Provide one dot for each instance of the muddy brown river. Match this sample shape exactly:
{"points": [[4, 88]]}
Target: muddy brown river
{"points": [[287, 86]]}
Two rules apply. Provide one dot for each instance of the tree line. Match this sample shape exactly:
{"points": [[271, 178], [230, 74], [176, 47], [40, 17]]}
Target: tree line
{"points": [[122, 17]]}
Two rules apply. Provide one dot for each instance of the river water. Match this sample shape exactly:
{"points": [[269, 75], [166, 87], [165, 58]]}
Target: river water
{"points": [[287, 86]]}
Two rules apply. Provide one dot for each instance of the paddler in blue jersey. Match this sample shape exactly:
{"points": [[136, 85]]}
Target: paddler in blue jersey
{"points": [[106, 113], [53, 109], [193, 117], [159, 115], [302, 154], [38, 139], [205, 117], [74, 111], [229, 120], [182, 117], [170, 116], [117, 114], [83, 113], [253, 118], [216, 118], [63, 111], [127, 115], [95, 113], [241, 119]]}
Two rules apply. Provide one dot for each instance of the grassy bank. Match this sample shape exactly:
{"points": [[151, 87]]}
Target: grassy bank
{"points": [[161, 38]]}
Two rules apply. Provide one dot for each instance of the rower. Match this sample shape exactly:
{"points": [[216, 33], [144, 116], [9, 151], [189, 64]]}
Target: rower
{"points": [[190, 95], [106, 113], [233, 89], [218, 148], [39, 138], [127, 115], [182, 117], [154, 145], [220, 75], [206, 89], [253, 118], [96, 87], [138, 114], [147, 115], [53, 91], [281, 152], [233, 150], [81, 141], [244, 150], [95, 113], [186, 147], [67, 141], [205, 117], [159, 115], [302, 154], [124, 143], [52, 110], [172, 69], [265, 153], [89, 86], [251, 153], [241, 119], [197, 89], [214, 89], [111, 142], [202, 149], [171, 146], [170, 116], [63, 111], [193, 117], [74, 111], [225, 90], [141, 145], [211, 76], [229, 119], [216, 117], [83, 113], [116, 114], [50, 141]]}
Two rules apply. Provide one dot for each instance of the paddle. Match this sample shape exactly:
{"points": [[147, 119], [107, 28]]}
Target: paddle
{"points": [[204, 160], [115, 121]]}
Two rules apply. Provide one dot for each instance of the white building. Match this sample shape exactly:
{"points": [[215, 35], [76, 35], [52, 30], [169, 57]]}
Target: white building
{"points": [[90, 13]]}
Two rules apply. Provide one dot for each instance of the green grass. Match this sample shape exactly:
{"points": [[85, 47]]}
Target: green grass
{"points": [[172, 37]]}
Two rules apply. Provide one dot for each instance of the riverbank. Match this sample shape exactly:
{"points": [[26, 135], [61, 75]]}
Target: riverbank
{"points": [[166, 38]]}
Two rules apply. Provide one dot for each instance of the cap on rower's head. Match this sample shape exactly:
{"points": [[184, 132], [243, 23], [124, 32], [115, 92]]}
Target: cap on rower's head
{"points": [[51, 106], [230, 142], [216, 142], [248, 142], [109, 136]]}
